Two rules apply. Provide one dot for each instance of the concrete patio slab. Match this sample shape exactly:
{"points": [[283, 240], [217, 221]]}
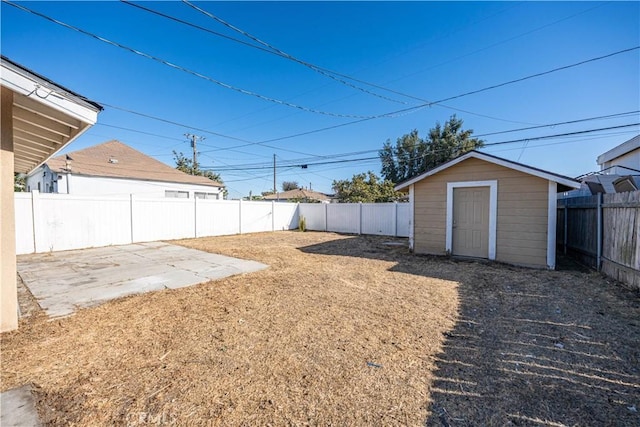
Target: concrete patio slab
{"points": [[18, 408], [65, 281]]}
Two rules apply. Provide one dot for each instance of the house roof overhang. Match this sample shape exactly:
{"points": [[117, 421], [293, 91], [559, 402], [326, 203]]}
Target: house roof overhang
{"points": [[46, 116], [564, 183]]}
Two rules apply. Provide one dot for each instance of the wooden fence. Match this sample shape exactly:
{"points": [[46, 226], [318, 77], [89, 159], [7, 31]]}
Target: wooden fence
{"points": [[603, 231]]}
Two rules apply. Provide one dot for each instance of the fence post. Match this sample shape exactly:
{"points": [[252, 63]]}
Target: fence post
{"points": [[273, 215], [395, 219], [35, 216], [195, 216], [240, 216], [599, 235], [566, 223], [131, 214], [326, 220], [360, 218]]}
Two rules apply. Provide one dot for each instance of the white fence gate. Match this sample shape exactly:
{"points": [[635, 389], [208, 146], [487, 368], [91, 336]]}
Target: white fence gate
{"points": [[57, 222]]}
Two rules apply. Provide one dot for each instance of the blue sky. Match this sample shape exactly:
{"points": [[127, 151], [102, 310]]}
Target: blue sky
{"points": [[429, 50]]}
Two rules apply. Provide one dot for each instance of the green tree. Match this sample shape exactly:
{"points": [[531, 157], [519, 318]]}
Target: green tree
{"points": [[185, 164], [19, 183], [290, 185], [413, 155], [365, 188]]}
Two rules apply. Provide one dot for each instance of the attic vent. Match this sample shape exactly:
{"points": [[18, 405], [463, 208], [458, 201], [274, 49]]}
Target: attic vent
{"points": [[113, 160]]}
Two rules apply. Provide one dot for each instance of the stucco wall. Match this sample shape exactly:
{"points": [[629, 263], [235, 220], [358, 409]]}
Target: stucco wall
{"points": [[522, 211]]}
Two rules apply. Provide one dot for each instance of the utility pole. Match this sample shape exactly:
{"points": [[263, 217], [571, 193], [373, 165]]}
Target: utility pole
{"points": [[194, 139], [275, 189]]}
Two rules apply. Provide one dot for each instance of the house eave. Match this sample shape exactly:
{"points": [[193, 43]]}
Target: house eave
{"points": [[46, 117], [620, 150]]}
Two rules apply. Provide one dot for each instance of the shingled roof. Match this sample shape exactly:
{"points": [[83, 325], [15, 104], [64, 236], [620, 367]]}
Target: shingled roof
{"points": [[113, 159]]}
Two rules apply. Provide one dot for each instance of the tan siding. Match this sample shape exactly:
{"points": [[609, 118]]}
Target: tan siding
{"points": [[537, 227], [430, 217], [522, 239], [522, 211], [525, 260], [519, 219]]}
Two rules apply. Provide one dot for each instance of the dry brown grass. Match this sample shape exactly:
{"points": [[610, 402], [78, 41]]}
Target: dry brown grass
{"points": [[341, 330]]}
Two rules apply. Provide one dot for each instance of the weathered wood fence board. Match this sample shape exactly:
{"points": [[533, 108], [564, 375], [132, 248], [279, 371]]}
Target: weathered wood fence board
{"points": [[604, 234]]}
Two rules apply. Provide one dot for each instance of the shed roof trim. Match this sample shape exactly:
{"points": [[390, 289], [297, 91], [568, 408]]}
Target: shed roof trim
{"points": [[550, 176]]}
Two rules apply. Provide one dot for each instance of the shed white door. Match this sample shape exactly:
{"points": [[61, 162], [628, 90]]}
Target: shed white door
{"points": [[471, 222]]}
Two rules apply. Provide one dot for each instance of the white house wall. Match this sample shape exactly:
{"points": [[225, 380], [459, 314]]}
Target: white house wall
{"points": [[42, 176], [630, 160], [80, 185]]}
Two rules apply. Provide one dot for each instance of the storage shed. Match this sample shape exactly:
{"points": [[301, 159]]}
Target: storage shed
{"points": [[482, 206]]}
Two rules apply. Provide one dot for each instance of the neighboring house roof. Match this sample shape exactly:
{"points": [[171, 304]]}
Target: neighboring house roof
{"points": [[560, 179], [605, 181], [113, 159], [300, 194], [620, 150]]}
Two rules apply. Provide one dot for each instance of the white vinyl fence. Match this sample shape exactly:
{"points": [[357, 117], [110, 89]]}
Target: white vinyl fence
{"points": [[58, 222], [385, 219]]}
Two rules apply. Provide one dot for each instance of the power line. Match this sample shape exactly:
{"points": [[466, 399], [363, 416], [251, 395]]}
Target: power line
{"points": [[184, 69], [323, 71], [171, 122], [608, 116], [327, 72], [538, 74], [501, 42], [485, 145], [430, 104], [217, 149], [359, 120]]}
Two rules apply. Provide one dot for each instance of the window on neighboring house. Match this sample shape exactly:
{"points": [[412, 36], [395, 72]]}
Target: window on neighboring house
{"points": [[178, 194], [47, 188], [39, 187], [199, 195]]}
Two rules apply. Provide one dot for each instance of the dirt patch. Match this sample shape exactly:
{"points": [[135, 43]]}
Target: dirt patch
{"points": [[341, 330], [27, 303]]}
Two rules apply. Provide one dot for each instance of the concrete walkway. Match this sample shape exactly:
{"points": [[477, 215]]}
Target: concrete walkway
{"points": [[65, 281], [18, 408]]}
